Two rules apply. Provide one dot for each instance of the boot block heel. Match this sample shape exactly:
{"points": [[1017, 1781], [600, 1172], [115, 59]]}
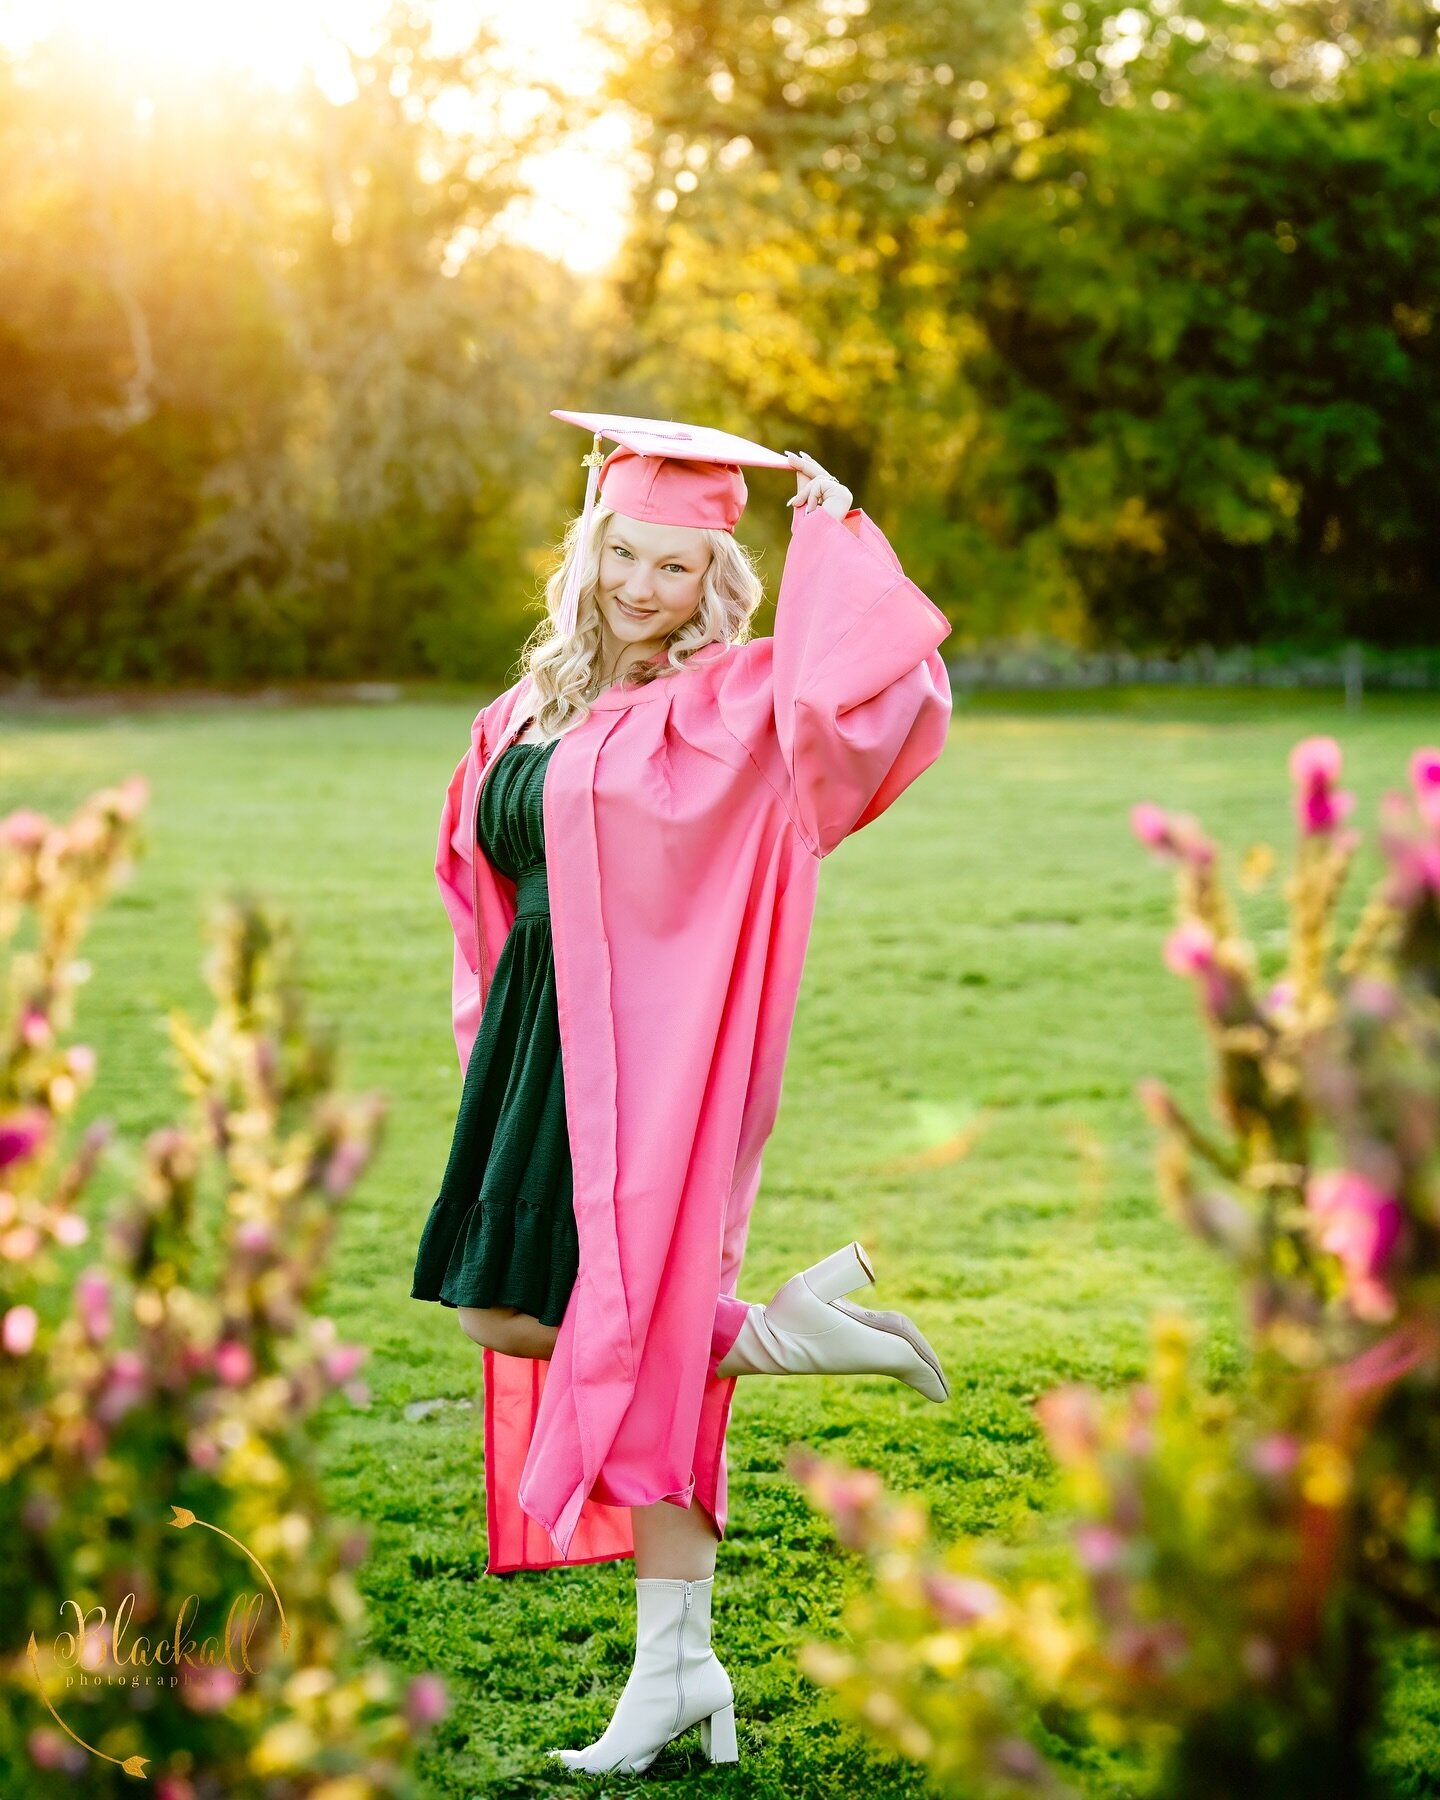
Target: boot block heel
{"points": [[717, 1735], [839, 1273]]}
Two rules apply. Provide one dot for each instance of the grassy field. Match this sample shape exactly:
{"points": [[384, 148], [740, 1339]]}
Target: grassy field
{"points": [[987, 953]]}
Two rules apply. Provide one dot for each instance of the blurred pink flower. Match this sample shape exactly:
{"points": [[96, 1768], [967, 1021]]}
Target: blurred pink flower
{"points": [[1319, 804], [203, 1452], [1190, 948], [1315, 759], [342, 1362], [174, 1787], [208, 1688], [22, 1133], [81, 1058], [1150, 825], [23, 829], [18, 1329], [254, 1236], [1361, 1224], [344, 1168], [49, 1749], [1425, 780], [70, 1229], [1280, 996], [124, 1388], [1276, 1454], [426, 1701], [92, 1302], [1369, 994], [234, 1364], [958, 1599], [1070, 1418], [132, 796], [35, 1028], [1100, 1547]]}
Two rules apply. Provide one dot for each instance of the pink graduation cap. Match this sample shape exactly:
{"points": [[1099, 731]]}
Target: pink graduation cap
{"points": [[664, 472]]}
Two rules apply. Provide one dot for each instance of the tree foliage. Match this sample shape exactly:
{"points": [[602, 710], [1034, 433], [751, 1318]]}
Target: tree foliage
{"points": [[1121, 320]]}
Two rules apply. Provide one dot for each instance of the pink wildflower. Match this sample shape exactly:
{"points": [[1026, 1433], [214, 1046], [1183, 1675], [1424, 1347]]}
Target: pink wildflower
{"points": [[132, 796], [18, 1329], [1100, 1547], [234, 1364], [23, 829], [1275, 1454], [342, 1362], [209, 1688], [1190, 948], [1070, 1418], [22, 1133], [1150, 825], [958, 1599], [92, 1302], [1425, 779], [1319, 804], [426, 1702], [1361, 1224]]}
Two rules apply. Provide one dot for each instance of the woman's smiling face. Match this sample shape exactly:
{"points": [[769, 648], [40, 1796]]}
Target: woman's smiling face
{"points": [[651, 577]]}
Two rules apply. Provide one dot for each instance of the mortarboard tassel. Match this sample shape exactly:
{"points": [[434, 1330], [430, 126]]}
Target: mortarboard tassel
{"points": [[570, 599]]}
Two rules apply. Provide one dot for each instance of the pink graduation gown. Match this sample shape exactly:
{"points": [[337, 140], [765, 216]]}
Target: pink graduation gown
{"points": [[684, 823]]}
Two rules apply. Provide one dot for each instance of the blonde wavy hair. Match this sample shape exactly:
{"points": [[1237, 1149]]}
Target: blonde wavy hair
{"points": [[565, 670]]}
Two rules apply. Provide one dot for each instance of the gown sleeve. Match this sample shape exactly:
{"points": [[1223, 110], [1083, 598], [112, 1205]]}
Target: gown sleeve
{"points": [[859, 695], [454, 863]]}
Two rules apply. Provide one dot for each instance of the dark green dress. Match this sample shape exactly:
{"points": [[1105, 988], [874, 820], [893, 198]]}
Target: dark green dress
{"points": [[502, 1231]]}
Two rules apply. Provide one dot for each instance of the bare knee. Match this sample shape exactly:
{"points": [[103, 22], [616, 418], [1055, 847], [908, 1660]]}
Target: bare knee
{"points": [[508, 1330], [488, 1326]]}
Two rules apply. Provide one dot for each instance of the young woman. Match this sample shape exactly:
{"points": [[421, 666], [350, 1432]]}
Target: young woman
{"points": [[628, 855]]}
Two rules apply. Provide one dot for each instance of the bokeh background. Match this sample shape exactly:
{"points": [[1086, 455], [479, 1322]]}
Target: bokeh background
{"points": [[1120, 320]]}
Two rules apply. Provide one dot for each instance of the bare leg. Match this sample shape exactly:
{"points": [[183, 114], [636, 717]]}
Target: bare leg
{"points": [[508, 1330], [673, 1543]]}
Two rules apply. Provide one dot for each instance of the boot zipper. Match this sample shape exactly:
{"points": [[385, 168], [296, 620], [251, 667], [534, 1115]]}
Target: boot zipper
{"points": [[679, 1660]]}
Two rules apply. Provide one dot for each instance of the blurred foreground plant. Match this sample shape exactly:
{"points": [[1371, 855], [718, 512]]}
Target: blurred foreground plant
{"points": [[1235, 1565], [159, 1494]]}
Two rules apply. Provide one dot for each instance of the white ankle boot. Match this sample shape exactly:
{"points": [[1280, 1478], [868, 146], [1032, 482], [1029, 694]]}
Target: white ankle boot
{"points": [[677, 1680], [807, 1329]]}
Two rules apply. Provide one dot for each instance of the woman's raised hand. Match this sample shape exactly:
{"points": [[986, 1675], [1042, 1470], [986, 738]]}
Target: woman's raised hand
{"points": [[817, 487]]}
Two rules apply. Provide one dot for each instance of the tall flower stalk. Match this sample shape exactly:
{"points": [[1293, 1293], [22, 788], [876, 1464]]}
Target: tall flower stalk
{"points": [[1234, 1564], [159, 1396]]}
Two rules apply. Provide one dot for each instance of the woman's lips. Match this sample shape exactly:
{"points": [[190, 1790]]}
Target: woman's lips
{"points": [[635, 612]]}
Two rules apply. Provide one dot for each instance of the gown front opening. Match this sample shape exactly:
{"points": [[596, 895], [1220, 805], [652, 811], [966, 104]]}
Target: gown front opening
{"points": [[502, 1230]]}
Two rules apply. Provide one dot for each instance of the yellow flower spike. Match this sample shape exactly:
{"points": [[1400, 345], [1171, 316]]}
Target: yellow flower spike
{"points": [[825, 1664], [344, 1787], [881, 1708], [914, 1740], [908, 1523], [376, 1684], [1325, 1475], [284, 1748], [944, 1650], [149, 1308], [345, 1598]]}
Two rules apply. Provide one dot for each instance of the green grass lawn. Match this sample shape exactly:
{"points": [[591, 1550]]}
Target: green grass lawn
{"points": [[988, 951]]}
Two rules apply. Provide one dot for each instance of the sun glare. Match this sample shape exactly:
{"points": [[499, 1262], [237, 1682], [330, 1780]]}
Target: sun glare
{"points": [[152, 47]]}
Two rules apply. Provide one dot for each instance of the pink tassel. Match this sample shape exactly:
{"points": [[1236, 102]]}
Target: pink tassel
{"points": [[570, 599]]}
